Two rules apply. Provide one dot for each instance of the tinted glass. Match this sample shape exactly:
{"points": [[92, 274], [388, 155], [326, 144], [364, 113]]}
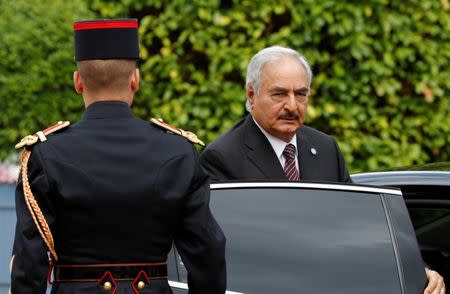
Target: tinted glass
{"points": [[432, 226], [412, 263], [305, 241], [427, 216]]}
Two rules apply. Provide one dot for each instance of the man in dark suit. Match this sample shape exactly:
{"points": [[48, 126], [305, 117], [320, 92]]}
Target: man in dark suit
{"points": [[272, 142], [278, 82], [106, 197], [245, 153]]}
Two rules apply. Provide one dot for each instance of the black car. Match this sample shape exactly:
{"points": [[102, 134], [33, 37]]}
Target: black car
{"points": [[426, 191], [285, 237]]}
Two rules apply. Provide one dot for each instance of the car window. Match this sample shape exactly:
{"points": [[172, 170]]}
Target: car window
{"points": [[432, 227], [305, 241], [426, 216], [427, 197]]}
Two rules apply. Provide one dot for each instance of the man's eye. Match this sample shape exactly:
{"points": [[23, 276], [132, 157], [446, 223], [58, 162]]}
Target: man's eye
{"points": [[301, 97]]}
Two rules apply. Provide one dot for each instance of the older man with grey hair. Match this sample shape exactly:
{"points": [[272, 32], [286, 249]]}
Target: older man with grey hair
{"points": [[272, 142]]}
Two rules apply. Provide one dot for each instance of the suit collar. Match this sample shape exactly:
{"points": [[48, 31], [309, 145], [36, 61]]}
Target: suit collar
{"points": [[107, 109], [260, 152], [277, 144]]}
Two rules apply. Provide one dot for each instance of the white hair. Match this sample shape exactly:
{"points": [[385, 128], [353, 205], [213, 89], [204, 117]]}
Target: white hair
{"points": [[256, 64]]}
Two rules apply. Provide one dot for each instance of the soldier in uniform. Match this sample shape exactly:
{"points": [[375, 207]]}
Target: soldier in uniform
{"points": [[101, 201]]}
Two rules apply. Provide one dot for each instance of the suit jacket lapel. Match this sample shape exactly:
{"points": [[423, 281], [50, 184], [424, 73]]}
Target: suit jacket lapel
{"points": [[306, 160], [260, 152]]}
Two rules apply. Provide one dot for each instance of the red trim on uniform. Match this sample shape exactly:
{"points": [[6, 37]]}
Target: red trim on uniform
{"points": [[113, 281], [113, 24], [111, 264], [49, 274], [137, 279], [170, 127], [50, 128]]}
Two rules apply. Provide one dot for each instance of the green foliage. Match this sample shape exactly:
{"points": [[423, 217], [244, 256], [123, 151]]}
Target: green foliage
{"points": [[36, 66], [381, 69], [381, 85]]}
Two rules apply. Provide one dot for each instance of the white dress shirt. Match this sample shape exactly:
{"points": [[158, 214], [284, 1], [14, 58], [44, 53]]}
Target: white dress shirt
{"points": [[278, 146]]}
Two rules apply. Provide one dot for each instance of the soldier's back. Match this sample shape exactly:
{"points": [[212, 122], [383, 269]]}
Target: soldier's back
{"points": [[117, 184]]}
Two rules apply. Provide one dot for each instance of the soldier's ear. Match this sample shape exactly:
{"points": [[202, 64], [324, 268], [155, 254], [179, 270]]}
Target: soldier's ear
{"points": [[135, 78], [77, 82]]}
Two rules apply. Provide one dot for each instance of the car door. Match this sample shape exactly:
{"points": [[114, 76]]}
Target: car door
{"points": [[427, 197], [315, 238], [429, 209]]}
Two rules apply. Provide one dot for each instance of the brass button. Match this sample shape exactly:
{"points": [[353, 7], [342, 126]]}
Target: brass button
{"points": [[141, 285], [107, 286]]}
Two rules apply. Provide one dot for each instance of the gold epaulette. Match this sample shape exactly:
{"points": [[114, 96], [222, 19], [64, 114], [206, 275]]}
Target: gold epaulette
{"points": [[41, 135], [30, 200], [188, 135]]}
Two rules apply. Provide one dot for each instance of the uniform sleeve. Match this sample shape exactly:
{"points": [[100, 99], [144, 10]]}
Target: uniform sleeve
{"points": [[30, 260], [213, 164], [200, 241]]}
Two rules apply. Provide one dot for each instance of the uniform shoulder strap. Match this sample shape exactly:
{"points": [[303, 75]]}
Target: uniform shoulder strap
{"points": [[188, 135], [30, 200], [41, 135]]}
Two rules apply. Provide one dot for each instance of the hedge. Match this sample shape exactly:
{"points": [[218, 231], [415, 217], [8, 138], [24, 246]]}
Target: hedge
{"points": [[381, 85], [36, 66]]}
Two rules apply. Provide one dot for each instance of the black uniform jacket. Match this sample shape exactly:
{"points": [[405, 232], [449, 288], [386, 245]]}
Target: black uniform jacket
{"points": [[244, 153], [116, 189]]}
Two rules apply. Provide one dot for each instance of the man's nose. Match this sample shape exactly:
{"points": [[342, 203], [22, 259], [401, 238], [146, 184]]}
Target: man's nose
{"points": [[291, 103]]}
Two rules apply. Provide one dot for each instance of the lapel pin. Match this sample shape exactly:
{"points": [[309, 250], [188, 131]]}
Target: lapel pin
{"points": [[313, 151]]}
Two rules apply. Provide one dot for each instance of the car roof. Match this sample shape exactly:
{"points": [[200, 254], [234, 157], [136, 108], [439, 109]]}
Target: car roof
{"points": [[435, 166], [404, 178]]}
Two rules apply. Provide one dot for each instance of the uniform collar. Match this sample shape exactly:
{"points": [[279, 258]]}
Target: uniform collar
{"points": [[107, 109]]}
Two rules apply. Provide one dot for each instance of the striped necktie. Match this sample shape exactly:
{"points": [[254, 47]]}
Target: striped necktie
{"points": [[289, 166]]}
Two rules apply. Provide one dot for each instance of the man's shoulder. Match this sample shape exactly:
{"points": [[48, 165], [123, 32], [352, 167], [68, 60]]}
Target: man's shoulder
{"points": [[229, 140], [140, 133], [41, 136], [312, 132], [170, 129]]}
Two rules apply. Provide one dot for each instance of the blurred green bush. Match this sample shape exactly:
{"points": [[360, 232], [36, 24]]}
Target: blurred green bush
{"points": [[381, 85], [36, 66]]}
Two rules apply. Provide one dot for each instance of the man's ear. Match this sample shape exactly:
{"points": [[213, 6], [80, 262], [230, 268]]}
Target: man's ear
{"points": [[250, 94], [135, 79], [77, 82]]}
